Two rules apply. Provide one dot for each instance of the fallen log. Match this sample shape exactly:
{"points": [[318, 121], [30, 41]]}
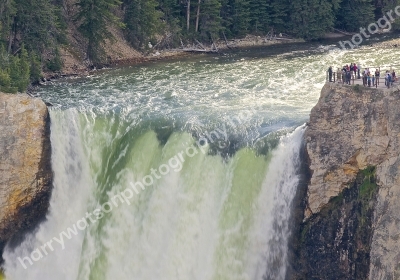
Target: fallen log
{"points": [[343, 32], [226, 41], [199, 50]]}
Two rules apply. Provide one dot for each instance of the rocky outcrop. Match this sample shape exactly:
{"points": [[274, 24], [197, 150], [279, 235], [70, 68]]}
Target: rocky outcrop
{"points": [[351, 129], [348, 130], [25, 164]]}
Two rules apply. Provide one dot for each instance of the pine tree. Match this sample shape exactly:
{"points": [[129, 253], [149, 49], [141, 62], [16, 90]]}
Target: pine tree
{"points": [[19, 70], [35, 73], [93, 18], [384, 7], [259, 15], [7, 15], [279, 15], [354, 14], [5, 80], [171, 13], [311, 19], [226, 15], [210, 19], [142, 20], [240, 17], [61, 19], [171, 22], [34, 22]]}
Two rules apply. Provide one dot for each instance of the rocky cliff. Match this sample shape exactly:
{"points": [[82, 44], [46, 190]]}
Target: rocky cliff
{"points": [[25, 164], [351, 221]]}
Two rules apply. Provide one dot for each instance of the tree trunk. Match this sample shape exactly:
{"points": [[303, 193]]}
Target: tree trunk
{"points": [[198, 16], [188, 15], [12, 31]]}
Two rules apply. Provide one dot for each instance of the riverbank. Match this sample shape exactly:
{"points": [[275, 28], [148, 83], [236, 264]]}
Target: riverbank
{"points": [[392, 43], [120, 53]]}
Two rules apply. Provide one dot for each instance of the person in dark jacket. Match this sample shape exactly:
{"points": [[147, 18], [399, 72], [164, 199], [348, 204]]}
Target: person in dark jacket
{"points": [[377, 75], [348, 77], [330, 73]]}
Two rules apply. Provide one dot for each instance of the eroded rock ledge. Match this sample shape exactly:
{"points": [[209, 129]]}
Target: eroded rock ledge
{"points": [[25, 164], [351, 129]]}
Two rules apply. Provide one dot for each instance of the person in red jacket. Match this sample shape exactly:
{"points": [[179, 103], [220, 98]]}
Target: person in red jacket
{"points": [[355, 70]]}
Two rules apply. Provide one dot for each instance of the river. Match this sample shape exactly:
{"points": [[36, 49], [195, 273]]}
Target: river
{"points": [[178, 170]]}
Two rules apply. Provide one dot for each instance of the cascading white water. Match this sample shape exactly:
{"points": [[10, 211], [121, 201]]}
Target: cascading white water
{"points": [[211, 218]]}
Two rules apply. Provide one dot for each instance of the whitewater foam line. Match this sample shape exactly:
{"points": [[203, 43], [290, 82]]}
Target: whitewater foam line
{"points": [[175, 163]]}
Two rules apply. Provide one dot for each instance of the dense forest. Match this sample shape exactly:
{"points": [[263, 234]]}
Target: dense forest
{"points": [[33, 31]]}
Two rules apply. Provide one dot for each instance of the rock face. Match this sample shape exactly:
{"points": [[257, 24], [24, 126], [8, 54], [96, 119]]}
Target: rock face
{"points": [[336, 242], [348, 131], [351, 129], [25, 164]]}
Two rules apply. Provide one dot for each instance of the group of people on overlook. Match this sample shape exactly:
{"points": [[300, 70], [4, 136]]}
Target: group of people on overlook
{"points": [[369, 78]]}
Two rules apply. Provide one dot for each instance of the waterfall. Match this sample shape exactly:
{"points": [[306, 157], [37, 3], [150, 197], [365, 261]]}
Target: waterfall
{"points": [[202, 217]]}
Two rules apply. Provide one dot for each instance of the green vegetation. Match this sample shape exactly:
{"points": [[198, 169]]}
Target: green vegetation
{"points": [[27, 30], [357, 88], [138, 12], [367, 191], [41, 26], [14, 71], [368, 186], [93, 18]]}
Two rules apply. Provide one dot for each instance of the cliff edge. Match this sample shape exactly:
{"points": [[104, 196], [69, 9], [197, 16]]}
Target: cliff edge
{"points": [[351, 221], [25, 164]]}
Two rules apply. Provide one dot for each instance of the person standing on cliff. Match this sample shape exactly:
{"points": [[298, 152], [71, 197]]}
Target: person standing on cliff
{"points": [[330, 73], [343, 75], [348, 77], [365, 78], [377, 74], [388, 79], [355, 70]]}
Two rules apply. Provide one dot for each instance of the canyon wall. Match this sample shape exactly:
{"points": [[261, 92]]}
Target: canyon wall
{"points": [[25, 164], [350, 226]]}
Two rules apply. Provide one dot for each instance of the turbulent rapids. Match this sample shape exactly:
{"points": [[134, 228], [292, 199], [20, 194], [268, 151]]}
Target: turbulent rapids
{"points": [[185, 170]]}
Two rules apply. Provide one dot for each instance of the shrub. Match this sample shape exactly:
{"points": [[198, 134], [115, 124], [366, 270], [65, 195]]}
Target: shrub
{"points": [[55, 64]]}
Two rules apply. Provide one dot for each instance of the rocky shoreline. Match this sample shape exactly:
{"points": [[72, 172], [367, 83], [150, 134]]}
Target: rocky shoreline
{"points": [[75, 64]]}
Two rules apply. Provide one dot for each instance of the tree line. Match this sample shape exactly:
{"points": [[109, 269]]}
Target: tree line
{"points": [[32, 31]]}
